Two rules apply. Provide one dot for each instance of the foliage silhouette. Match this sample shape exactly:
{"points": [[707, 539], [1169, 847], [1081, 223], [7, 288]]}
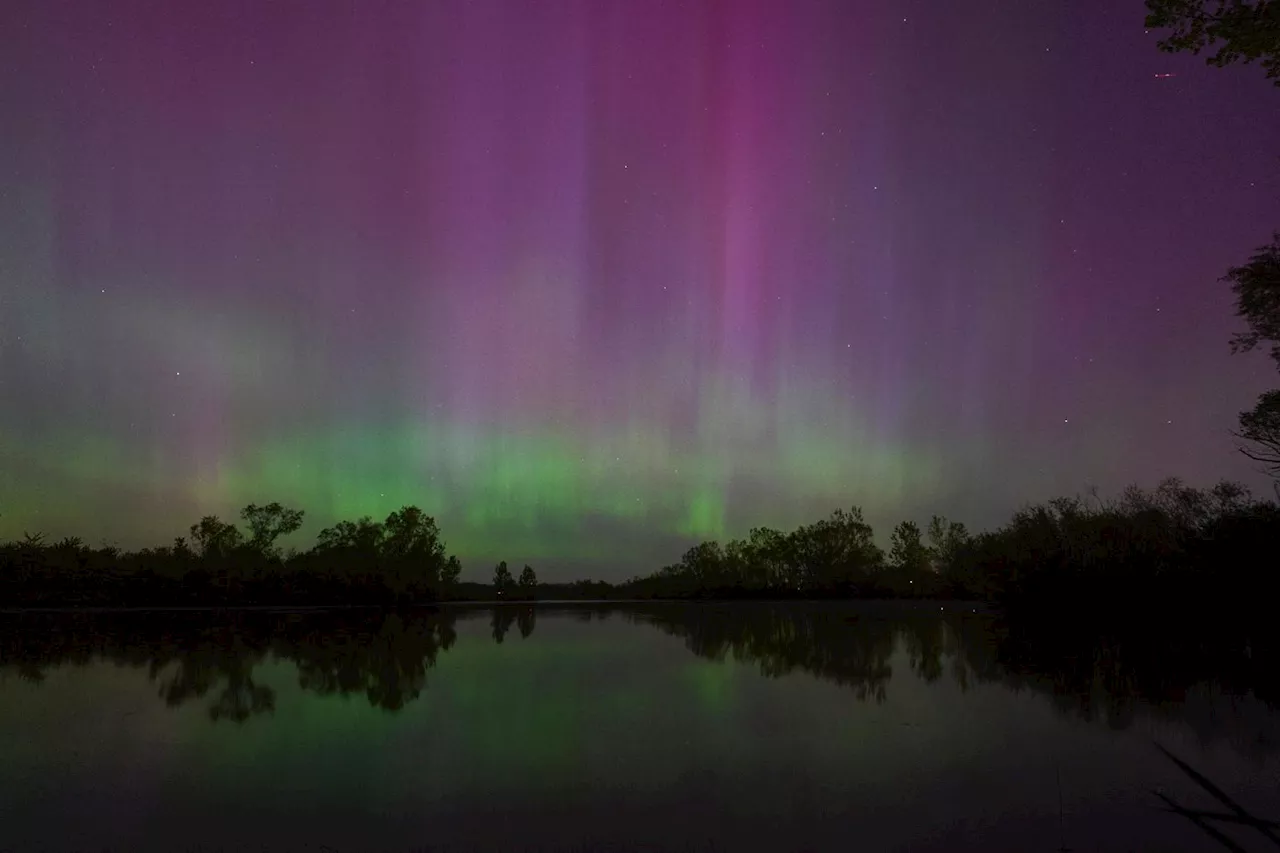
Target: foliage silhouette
{"points": [[1256, 286], [1261, 427], [502, 580], [946, 539], [834, 557], [267, 524], [400, 560], [907, 551], [213, 537], [528, 582], [451, 573], [1177, 546], [1243, 31], [1174, 546], [1247, 31]]}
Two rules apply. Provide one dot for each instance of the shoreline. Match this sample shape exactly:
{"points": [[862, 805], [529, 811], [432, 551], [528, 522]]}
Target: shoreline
{"points": [[944, 603]]}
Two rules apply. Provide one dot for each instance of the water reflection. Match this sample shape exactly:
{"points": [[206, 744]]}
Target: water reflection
{"points": [[1102, 678], [830, 644], [761, 727], [386, 657], [192, 656]]}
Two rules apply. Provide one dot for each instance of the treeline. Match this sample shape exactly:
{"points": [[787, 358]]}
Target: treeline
{"points": [[1173, 545], [399, 560], [836, 557]]}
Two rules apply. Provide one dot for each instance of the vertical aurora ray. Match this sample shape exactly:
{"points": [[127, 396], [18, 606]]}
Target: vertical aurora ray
{"points": [[588, 280]]}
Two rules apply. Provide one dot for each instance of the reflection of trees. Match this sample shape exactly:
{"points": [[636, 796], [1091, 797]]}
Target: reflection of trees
{"points": [[1151, 670], [1147, 673], [822, 641], [386, 660], [195, 673], [384, 656], [500, 622], [503, 616], [1171, 672], [925, 644], [1154, 668], [526, 619]]}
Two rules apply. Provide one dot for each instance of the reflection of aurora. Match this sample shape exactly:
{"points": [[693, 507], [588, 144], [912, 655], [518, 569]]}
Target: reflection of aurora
{"points": [[386, 657]]}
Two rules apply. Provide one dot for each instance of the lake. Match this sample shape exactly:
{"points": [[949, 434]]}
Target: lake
{"points": [[877, 726]]}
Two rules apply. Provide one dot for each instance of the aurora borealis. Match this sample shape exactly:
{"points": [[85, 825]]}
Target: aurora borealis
{"points": [[591, 280]]}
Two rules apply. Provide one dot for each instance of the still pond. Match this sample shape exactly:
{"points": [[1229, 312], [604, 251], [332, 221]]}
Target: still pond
{"points": [[733, 727]]}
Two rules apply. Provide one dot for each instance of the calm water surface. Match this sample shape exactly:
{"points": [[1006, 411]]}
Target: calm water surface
{"points": [[674, 727]]}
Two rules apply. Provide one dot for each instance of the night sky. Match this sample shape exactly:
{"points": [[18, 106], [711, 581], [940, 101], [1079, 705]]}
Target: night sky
{"points": [[592, 280]]}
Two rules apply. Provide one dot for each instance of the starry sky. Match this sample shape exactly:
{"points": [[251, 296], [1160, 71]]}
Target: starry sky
{"points": [[590, 280]]}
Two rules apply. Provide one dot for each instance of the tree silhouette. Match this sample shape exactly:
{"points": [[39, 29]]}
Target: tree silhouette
{"points": [[1256, 286], [412, 551], [268, 523], [907, 551], [412, 534], [405, 554], [1247, 32], [528, 581], [451, 572], [213, 537], [363, 536], [704, 562], [502, 580], [1175, 542], [836, 556], [1244, 31], [768, 549], [838, 551], [1261, 426], [946, 539]]}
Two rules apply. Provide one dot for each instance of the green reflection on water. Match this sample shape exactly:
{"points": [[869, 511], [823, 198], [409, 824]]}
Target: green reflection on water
{"points": [[752, 712]]}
